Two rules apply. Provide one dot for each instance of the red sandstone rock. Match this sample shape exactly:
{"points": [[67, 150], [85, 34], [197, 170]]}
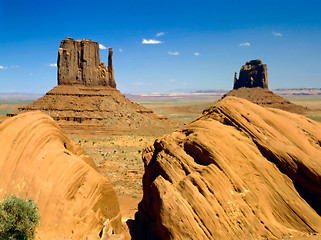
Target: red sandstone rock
{"points": [[38, 161], [266, 98], [86, 97], [239, 171], [252, 74], [79, 63], [252, 85]]}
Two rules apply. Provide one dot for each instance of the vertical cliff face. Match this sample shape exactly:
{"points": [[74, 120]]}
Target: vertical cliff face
{"points": [[79, 63], [252, 74]]}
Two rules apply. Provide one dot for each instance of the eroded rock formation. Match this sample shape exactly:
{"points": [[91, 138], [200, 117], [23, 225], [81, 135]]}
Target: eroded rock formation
{"points": [[252, 74], [239, 171], [252, 85], [86, 97], [38, 161], [79, 63], [96, 109]]}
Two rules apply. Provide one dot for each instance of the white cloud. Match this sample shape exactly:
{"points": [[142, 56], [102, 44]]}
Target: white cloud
{"points": [[277, 34], [102, 46], [173, 53], [196, 54], [173, 80], [15, 66], [151, 41], [2, 67], [120, 50], [246, 44], [52, 64], [160, 34]]}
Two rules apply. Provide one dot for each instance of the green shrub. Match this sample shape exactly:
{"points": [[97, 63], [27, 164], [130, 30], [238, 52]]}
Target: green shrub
{"points": [[18, 218]]}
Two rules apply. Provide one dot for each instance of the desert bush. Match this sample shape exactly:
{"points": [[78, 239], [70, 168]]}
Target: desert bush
{"points": [[18, 218]]}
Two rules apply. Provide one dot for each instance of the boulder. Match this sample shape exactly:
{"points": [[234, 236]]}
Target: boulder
{"points": [[239, 171], [38, 161]]}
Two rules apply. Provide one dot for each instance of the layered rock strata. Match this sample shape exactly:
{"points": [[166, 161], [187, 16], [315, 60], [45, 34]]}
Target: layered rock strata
{"points": [[266, 98], [97, 109], [239, 171], [79, 63], [86, 98], [38, 161]]}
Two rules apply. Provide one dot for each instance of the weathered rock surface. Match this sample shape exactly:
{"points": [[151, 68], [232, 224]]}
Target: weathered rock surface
{"points": [[38, 161], [252, 74], [239, 171], [79, 63], [266, 98]]}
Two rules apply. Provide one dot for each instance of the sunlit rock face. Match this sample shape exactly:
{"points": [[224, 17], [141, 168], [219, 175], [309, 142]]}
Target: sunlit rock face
{"points": [[239, 171], [79, 63], [38, 161]]}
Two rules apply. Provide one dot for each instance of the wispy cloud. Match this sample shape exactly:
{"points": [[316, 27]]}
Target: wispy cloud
{"points": [[196, 54], [3, 67], [120, 50], [277, 34], [102, 46], [246, 44], [52, 64], [173, 53], [14, 66], [160, 34], [151, 41]]}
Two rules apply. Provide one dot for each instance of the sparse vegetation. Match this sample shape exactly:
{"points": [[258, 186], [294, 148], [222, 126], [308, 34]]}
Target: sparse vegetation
{"points": [[115, 156], [18, 218]]}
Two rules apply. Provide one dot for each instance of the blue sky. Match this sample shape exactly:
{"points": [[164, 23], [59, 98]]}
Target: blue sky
{"points": [[200, 44]]}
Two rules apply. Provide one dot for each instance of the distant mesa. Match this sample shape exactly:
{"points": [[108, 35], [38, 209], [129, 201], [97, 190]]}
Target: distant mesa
{"points": [[86, 97], [252, 85], [252, 74], [79, 63]]}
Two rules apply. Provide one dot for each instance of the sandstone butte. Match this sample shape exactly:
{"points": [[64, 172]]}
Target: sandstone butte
{"points": [[252, 85], [239, 171], [86, 98], [38, 161]]}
